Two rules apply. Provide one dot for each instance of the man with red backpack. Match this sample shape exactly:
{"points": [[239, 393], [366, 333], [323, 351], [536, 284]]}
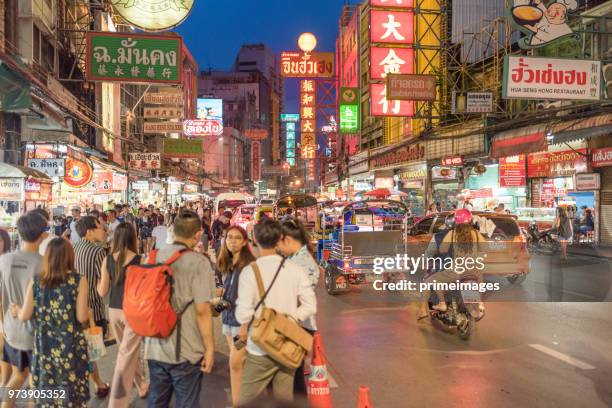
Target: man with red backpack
{"points": [[176, 361]]}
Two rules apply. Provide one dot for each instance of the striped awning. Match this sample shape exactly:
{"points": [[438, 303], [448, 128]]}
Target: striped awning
{"points": [[529, 139], [594, 126]]}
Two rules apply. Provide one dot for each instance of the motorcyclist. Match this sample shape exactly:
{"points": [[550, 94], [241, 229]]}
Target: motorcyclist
{"points": [[459, 240]]}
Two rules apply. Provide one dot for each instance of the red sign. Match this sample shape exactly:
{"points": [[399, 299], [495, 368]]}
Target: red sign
{"points": [[202, 127], [311, 170], [482, 193], [256, 134], [452, 161], [401, 155], [120, 182], [391, 61], [393, 3], [512, 171], [602, 157], [78, 173], [103, 181], [255, 161], [308, 112], [32, 186], [392, 27], [555, 164], [380, 106], [312, 65]]}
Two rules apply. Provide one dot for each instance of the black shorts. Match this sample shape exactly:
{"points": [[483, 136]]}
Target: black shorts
{"points": [[21, 359], [104, 325]]}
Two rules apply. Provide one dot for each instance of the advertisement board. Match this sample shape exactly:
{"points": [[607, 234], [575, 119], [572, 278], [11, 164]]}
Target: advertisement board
{"points": [[556, 164], [393, 3], [256, 134], [134, 57], [601, 157], [386, 61], [290, 117], [349, 118], [163, 127], [391, 27], [163, 98], [256, 161], [411, 87], [78, 173], [512, 171], [144, 161], [588, 181], [11, 189], [551, 78], [183, 148], [381, 106], [199, 127], [479, 102], [163, 112], [51, 167], [153, 15], [307, 65], [209, 109]]}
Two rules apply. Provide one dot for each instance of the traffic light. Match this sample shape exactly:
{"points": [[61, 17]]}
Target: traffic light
{"points": [[607, 74]]}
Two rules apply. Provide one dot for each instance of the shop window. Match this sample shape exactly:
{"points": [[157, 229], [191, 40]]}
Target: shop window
{"points": [[43, 52]]}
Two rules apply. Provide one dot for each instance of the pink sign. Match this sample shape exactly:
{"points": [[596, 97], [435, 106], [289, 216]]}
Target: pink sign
{"points": [[391, 27], [393, 3], [391, 61], [202, 127], [380, 106]]}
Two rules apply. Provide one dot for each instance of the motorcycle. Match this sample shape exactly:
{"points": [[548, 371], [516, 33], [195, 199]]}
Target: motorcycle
{"points": [[545, 239], [464, 309]]}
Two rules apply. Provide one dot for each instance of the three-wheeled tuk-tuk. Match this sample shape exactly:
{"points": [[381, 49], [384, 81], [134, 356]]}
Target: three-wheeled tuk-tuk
{"points": [[304, 208], [368, 230]]}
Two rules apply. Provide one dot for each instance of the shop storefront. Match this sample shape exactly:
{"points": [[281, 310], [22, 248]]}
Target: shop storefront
{"points": [[601, 161], [386, 164], [494, 184], [412, 180], [446, 188]]}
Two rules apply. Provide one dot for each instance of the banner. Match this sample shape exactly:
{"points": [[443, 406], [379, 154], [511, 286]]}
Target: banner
{"points": [[134, 57], [144, 161], [551, 78], [512, 172]]}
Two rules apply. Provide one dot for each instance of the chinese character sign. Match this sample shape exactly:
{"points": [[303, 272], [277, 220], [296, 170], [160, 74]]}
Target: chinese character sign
{"points": [[134, 57], [311, 65], [144, 161], [390, 61], [391, 27], [308, 111], [381, 106], [392, 3], [255, 161], [309, 152], [349, 118]]}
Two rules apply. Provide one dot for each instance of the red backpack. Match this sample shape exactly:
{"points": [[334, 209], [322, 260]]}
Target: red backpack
{"points": [[147, 297]]}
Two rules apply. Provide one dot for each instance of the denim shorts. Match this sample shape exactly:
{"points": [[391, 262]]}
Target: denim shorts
{"points": [[230, 330], [21, 359]]}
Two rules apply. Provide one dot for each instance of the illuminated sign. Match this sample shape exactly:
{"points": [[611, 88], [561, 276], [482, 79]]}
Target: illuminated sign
{"points": [[349, 118], [290, 117], [392, 27], [411, 87], [200, 127], [163, 112], [309, 152], [307, 65], [134, 57], [390, 61], [381, 106], [452, 161], [153, 15], [256, 134], [210, 109], [392, 3], [255, 161], [78, 173], [144, 161], [308, 112]]}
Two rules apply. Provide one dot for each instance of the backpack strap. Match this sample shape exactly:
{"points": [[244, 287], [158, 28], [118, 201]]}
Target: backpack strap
{"points": [[152, 258], [175, 256]]}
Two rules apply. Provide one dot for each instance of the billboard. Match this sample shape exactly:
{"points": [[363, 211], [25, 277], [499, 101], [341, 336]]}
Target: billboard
{"points": [[311, 65], [551, 78], [202, 127], [210, 109], [381, 106], [153, 15], [134, 58], [391, 27], [411, 87], [390, 61]]}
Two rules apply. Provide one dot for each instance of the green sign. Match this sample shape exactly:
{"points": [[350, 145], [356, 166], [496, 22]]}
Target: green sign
{"points": [[349, 118], [183, 148], [291, 161], [349, 96], [290, 117], [134, 57]]}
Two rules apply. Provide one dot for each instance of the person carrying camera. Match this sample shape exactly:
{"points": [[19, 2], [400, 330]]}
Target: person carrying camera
{"points": [[233, 257]]}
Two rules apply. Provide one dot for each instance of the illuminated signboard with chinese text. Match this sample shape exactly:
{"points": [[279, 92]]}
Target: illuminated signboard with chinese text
{"points": [[153, 15], [390, 61], [381, 106], [308, 112], [144, 161], [309, 152], [134, 57], [349, 110], [307, 65], [393, 3], [391, 27], [255, 161]]}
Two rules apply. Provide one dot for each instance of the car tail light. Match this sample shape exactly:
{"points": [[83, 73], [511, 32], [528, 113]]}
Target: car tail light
{"points": [[523, 242], [347, 264]]}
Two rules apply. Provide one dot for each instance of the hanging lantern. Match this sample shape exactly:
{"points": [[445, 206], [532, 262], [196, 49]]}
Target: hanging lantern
{"points": [[481, 168], [444, 172]]}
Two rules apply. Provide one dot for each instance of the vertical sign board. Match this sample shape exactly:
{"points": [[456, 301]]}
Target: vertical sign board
{"points": [[255, 161], [349, 110], [308, 113]]}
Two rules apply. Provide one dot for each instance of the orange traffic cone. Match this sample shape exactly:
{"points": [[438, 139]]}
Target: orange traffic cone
{"points": [[319, 394], [364, 398]]}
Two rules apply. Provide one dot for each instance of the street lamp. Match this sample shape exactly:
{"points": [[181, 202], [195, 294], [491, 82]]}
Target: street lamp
{"points": [[307, 42]]}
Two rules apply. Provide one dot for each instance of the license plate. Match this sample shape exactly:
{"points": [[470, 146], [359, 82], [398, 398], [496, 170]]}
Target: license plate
{"points": [[341, 285], [497, 246], [470, 296]]}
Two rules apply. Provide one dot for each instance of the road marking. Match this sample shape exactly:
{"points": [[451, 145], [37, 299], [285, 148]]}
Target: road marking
{"points": [[563, 357], [332, 382]]}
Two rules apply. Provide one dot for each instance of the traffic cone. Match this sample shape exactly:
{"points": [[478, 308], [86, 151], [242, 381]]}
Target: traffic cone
{"points": [[319, 394], [364, 398]]}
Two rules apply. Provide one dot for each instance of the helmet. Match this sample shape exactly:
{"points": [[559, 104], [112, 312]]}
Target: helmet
{"points": [[463, 216]]}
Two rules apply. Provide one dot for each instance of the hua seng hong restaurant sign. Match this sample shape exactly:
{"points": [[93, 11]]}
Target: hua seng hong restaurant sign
{"points": [[398, 156], [312, 65], [556, 164], [551, 78]]}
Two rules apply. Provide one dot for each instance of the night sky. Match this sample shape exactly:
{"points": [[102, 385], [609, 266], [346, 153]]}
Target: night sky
{"points": [[215, 29]]}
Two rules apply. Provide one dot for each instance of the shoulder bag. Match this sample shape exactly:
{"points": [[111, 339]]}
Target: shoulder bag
{"points": [[275, 333]]}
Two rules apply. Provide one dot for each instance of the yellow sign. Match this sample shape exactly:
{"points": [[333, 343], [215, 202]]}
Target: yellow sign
{"points": [[153, 15]]}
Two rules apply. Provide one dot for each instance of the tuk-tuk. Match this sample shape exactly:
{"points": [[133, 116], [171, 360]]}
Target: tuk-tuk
{"points": [[304, 208], [367, 230]]}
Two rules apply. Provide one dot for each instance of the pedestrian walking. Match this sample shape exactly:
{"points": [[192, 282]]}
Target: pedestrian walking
{"points": [[5, 368], [565, 230], [56, 305], [16, 271], [159, 236], [89, 255], [128, 367], [206, 232], [290, 292], [76, 215], [233, 257], [113, 223], [294, 244], [193, 291]]}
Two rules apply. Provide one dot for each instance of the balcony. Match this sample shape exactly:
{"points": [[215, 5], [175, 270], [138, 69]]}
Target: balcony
{"points": [[41, 11]]}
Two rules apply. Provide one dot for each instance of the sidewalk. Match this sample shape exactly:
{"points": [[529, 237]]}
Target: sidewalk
{"points": [[588, 250]]}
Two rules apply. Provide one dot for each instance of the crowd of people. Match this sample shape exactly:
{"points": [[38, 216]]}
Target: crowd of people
{"points": [[69, 275]]}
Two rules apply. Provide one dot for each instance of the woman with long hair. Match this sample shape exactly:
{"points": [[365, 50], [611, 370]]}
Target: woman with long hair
{"points": [[5, 368], [295, 245], [233, 257], [56, 303], [565, 230], [128, 368]]}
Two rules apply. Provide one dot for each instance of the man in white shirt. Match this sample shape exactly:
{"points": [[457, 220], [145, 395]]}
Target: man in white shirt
{"points": [[160, 236], [292, 294], [113, 223], [74, 235]]}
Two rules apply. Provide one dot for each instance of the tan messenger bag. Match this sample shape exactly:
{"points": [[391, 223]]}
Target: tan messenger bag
{"points": [[275, 333]]}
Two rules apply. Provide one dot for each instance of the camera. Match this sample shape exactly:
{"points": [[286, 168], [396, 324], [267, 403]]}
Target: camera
{"points": [[222, 305], [238, 343]]}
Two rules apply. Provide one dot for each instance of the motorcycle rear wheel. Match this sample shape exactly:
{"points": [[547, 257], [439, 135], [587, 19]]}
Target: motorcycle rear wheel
{"points": [[465, 330]]}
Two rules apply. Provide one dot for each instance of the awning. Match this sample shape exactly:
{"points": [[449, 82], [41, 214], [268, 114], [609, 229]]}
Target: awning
{"points": [[106, 165], [14, 91], [594, 126], [14, 171], [530, 139]]}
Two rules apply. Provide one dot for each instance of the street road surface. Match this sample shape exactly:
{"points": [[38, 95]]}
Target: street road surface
{"points": [[521, 355]]}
